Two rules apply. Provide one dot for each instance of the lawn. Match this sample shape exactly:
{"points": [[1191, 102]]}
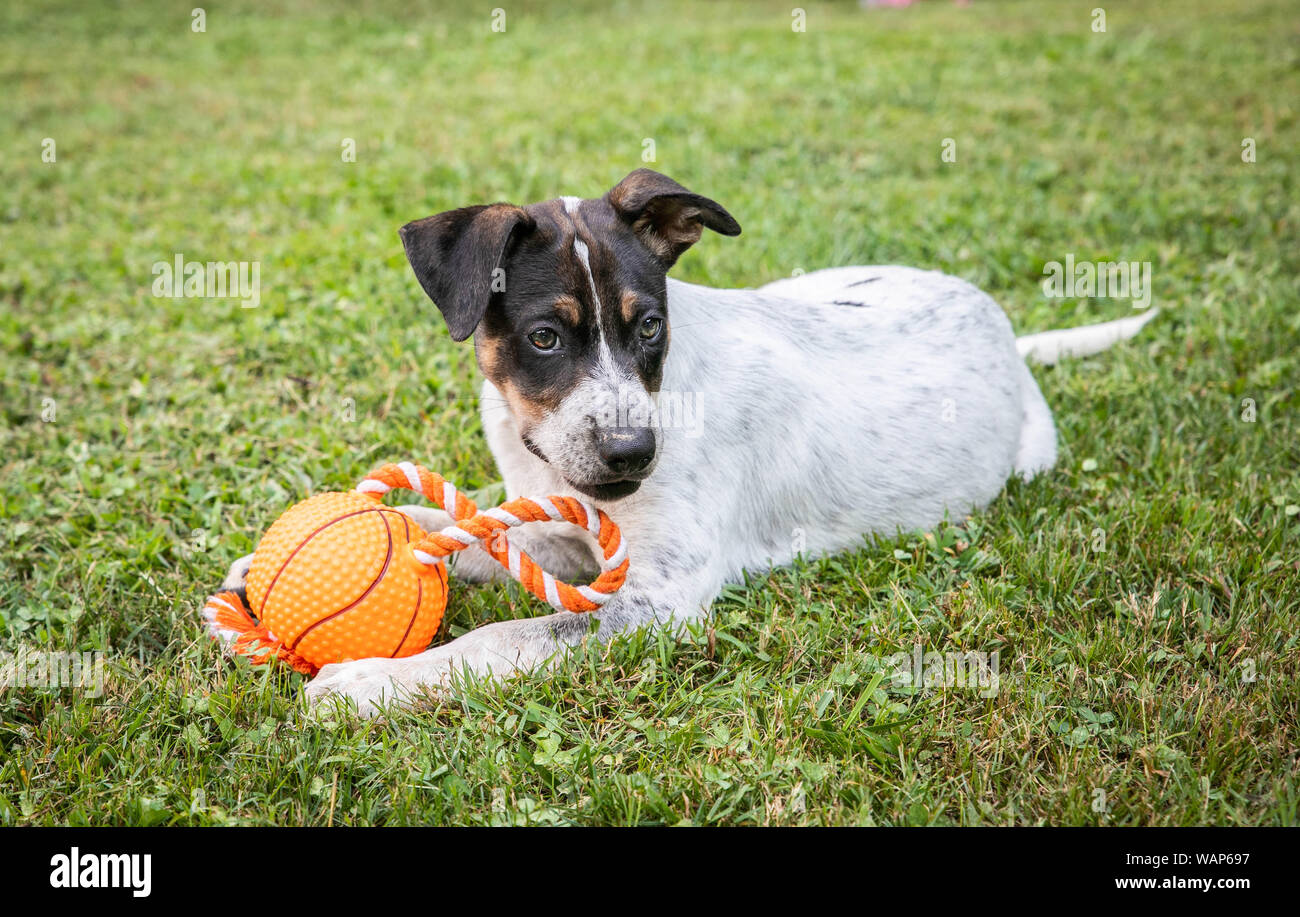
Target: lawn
{"points": [[1143, 598]]}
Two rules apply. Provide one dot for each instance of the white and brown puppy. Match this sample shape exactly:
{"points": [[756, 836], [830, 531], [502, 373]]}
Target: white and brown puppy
{"points": [[791, 419]]}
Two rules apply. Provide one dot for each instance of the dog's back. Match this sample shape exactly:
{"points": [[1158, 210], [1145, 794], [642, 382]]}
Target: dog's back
{"points": [[875, 399]]}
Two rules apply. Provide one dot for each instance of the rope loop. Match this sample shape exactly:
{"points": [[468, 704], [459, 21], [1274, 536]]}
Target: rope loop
{"points": [[488, 529]]}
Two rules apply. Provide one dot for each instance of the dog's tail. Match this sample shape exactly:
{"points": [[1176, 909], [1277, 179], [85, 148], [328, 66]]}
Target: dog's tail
{"points": [[1047, 347]]}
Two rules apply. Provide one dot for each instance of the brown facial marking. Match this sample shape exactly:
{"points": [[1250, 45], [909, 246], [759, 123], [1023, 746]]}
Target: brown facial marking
{"points": [[568, 308], [487, 349], [529, 410], [628, 305]]}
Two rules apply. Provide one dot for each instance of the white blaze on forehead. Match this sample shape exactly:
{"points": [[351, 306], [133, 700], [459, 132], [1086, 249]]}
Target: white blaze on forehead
{"points": [[585, 257], [607, 368]]}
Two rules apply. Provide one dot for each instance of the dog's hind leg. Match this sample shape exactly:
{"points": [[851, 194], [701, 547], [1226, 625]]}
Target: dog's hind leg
{"points": [[1037, 450]]}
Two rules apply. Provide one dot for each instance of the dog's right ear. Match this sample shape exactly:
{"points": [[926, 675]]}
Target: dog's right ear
{"points": [[456, 256]]}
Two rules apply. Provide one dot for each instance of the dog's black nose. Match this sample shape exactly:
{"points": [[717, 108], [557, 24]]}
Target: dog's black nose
{"points": [[626, 450]]}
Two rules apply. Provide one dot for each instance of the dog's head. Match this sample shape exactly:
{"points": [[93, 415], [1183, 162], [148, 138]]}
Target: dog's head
{"points": [[568, 307]]}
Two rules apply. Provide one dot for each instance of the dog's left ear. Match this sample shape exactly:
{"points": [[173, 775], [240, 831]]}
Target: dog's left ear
{"points": [[666, 217]]}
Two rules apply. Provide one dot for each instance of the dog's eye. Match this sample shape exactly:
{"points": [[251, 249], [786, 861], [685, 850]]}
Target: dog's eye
{"points": [[650, 328], [544, 339]]}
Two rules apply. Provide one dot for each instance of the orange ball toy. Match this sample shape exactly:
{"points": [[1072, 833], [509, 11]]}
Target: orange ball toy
{"points": [[342, 576]]}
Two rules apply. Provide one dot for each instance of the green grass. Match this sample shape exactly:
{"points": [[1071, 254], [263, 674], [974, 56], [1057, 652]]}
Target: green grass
{"points": [[1162, 671]]}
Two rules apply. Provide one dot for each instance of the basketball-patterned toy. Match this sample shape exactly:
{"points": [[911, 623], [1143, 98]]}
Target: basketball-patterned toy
{"points": [[343, 576]]}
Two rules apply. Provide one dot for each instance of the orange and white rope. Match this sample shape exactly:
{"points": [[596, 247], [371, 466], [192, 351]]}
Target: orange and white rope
{"points": [[488, 529]]}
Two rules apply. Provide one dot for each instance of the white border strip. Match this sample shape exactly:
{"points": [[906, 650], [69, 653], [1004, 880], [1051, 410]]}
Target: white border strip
{"points": [[501, 515], [615, 559], [591, 595], [552, 594], [412, 476]]}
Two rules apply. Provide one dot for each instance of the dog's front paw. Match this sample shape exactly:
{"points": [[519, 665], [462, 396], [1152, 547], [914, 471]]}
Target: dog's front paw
{"points": [[234, 582], [429, 518], [369, 685], [237, 574], [472, 566]]}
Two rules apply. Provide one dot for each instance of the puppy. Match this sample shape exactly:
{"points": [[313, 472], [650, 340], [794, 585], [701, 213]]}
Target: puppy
{"points": [[724, 430]]}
